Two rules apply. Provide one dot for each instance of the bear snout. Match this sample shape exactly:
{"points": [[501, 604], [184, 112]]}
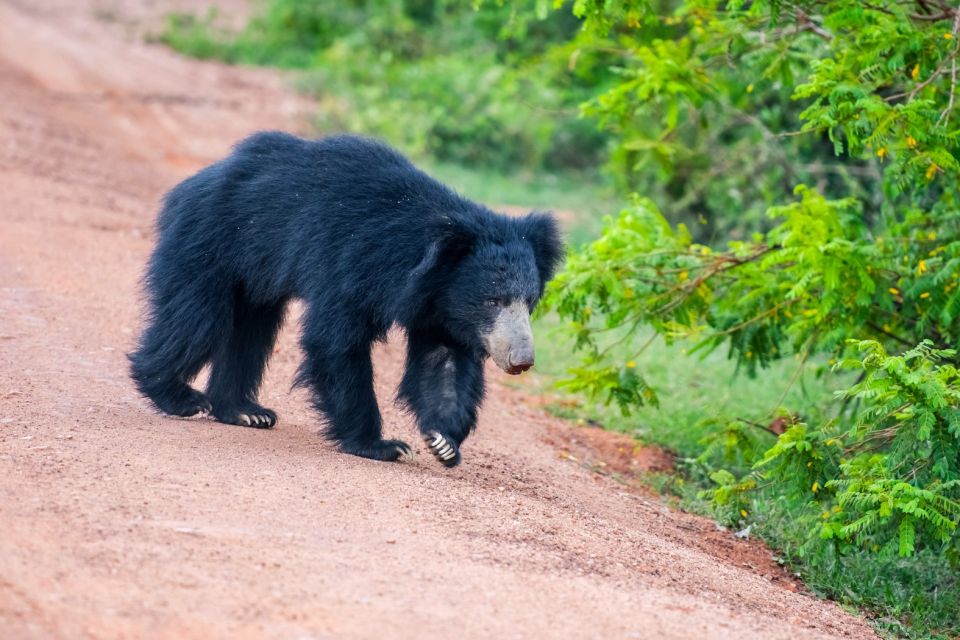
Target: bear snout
{"points": [[520, 360], [510, 340]]}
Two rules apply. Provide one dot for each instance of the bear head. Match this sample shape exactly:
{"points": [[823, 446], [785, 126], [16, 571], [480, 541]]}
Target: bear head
{"points": [[481, 278]]}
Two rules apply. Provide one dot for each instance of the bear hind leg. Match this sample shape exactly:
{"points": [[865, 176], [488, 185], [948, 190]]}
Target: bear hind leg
{"points": [[239, 365], [179, 341]]}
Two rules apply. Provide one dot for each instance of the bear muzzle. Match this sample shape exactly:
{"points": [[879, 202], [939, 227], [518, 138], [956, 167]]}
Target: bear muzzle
{"points": [[510, 340]]}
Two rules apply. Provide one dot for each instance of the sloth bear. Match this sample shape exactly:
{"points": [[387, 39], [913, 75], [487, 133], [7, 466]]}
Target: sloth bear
{"points": [[366, 240]]}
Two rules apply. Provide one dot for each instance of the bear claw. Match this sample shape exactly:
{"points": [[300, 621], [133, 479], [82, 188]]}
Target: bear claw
{"points": [[442, 449], [194, 404], [249, 416], [383, 450], [406, 453]]}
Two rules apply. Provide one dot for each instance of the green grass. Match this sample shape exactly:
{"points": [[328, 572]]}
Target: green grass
{"points": [[580, 200], [534, 190], [694, 392]]}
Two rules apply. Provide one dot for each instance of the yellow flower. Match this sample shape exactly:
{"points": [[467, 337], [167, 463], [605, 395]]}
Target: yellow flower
{"points": [[894, 291], [948, 36], [882, 152], [915, 72], [815, 487], [911, 142], [631, 365], [683, 275], [743, 513], [922, 266], [932, 171], [925, 294], [750, 88]]}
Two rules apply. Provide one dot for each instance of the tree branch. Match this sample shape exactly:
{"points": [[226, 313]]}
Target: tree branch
{"points": [[945, 114], [940, 68], [892, 336]]}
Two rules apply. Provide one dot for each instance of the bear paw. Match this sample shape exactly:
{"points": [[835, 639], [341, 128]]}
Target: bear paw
{"points": [[248, 414], [443, 448], [189, 402], [384, 450]]}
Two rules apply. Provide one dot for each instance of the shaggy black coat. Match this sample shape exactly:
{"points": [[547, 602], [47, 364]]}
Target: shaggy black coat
{"points": [[367, 241]]}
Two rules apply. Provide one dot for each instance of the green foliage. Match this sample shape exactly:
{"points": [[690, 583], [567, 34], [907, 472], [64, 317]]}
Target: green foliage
{"points": [[817, 278], [912, 414], [807, 155]]}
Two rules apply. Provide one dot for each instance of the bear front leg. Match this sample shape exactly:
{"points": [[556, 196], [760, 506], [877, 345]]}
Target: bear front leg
{"points": [[443, 387], [340, 375]]}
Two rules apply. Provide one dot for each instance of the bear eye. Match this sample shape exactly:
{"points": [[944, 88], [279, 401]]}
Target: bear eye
{"points": [[495, 302]]}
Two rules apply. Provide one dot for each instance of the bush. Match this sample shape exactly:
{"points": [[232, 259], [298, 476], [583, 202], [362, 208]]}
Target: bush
{"points": [[736, 103]]}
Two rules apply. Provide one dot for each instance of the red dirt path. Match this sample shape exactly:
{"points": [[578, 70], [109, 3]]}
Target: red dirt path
{"points": [[116, 522]]}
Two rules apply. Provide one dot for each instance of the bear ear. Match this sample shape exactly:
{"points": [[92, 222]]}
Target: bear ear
{"points": [[453, 240], [451, 243], [543, 234]]}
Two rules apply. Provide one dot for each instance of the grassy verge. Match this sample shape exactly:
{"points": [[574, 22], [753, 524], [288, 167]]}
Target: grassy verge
{"points": [[918, 597]]}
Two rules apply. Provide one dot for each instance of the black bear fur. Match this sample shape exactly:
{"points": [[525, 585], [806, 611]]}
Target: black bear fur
{"points": [[367, 241]]}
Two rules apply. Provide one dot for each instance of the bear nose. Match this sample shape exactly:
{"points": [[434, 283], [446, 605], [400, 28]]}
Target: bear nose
{"points": [[520, 360]]}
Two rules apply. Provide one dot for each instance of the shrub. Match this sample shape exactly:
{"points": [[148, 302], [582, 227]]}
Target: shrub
{"points": [[877, 81]]}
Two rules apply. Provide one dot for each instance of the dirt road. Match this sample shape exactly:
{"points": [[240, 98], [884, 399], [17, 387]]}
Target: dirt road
{"points": [[116, 522]]}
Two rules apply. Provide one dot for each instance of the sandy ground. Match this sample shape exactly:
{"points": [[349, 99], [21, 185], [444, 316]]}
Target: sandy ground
{"points": [[116, 522]]}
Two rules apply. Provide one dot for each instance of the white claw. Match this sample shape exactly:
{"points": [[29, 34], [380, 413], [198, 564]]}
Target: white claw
{"points": [[245, 419]]}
